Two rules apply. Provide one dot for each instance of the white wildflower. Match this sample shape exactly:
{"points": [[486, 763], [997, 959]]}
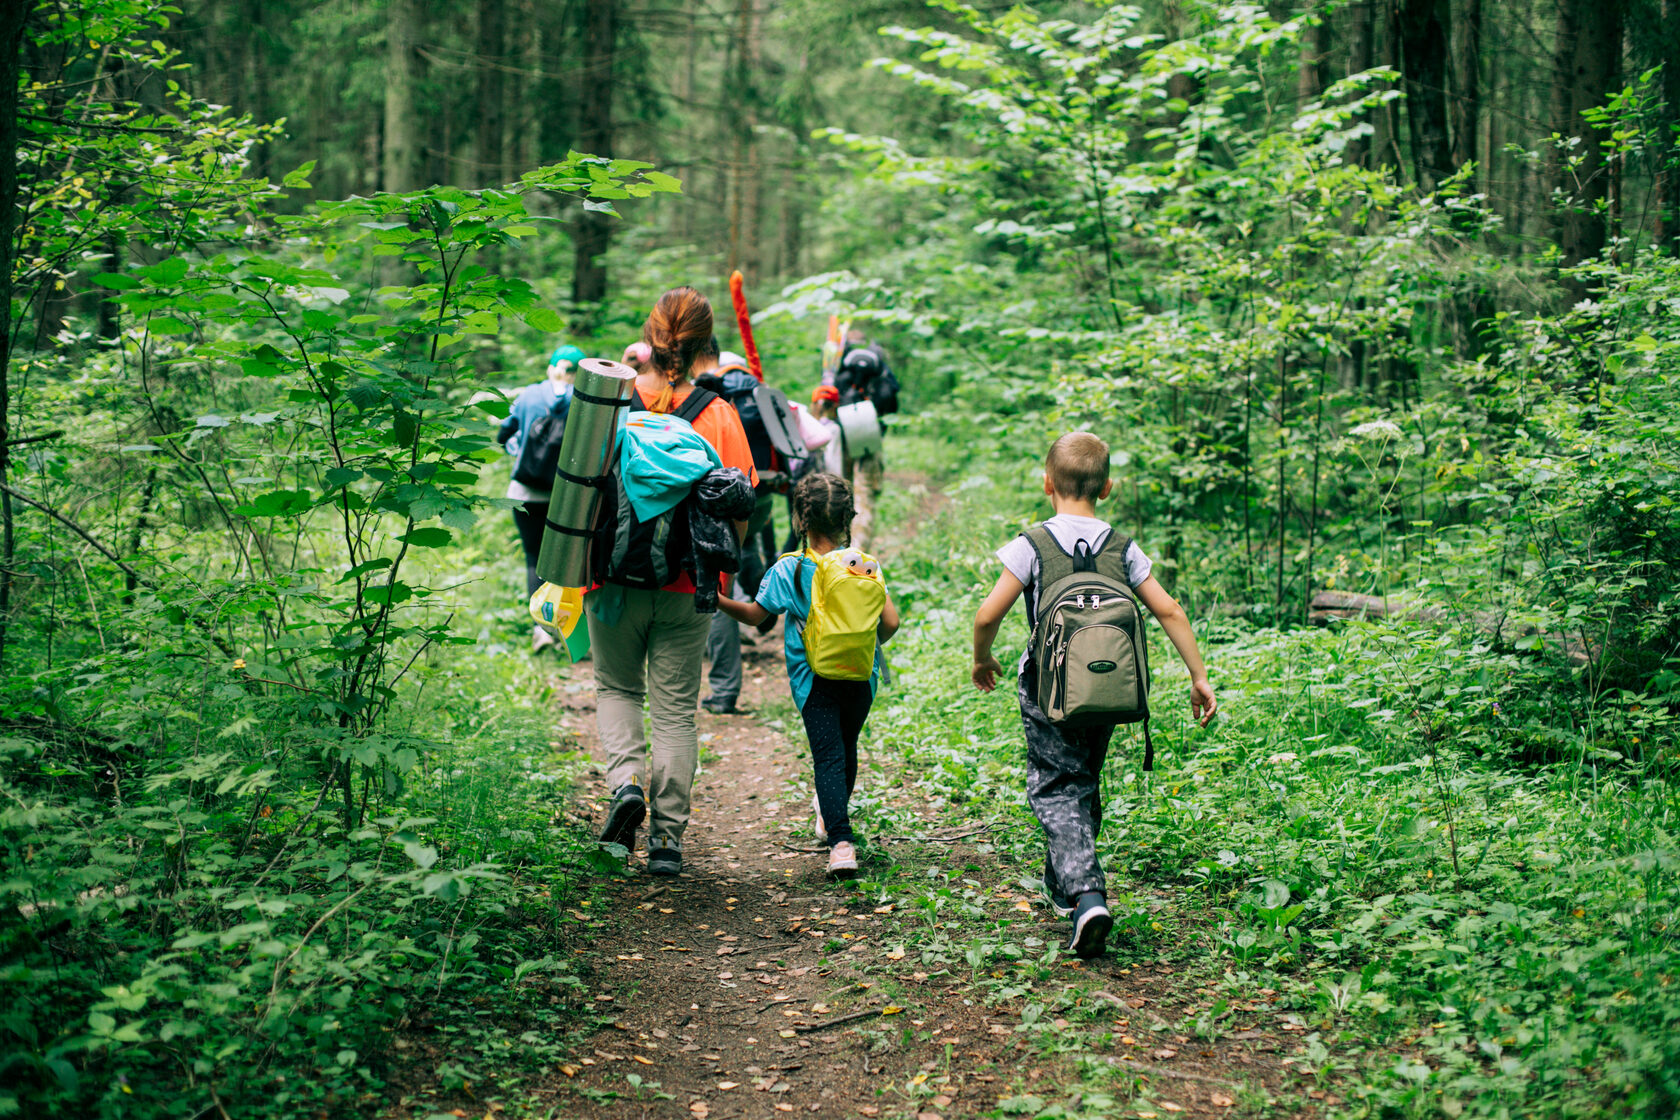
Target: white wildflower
{"points": [[1377, 430]]}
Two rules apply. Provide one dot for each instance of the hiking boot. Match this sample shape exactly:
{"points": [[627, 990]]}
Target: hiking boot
{"points": [[664, 857], [1091, 923], [842, 860], [721, 707], [1062, 907], [821, 829], [624, 815]]}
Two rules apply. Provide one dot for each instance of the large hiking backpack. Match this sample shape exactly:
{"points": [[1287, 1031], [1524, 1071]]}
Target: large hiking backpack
{"points": [[865, 376], [539, 450], [1088, 640], [771, 427], [649, 554], [847, 597]]}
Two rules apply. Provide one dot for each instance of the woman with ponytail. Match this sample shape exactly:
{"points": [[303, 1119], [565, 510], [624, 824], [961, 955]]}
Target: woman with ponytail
{"points": [[651, 653]]}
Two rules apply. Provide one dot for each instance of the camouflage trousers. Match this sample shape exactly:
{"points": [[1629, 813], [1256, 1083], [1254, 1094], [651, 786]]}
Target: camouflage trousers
{"points": [[1064, 789]]}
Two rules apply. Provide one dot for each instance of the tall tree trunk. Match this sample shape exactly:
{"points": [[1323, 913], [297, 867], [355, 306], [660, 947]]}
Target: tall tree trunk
{"points": [[1361, 41], [400, 160], [13, 15], [1315, 51], [488, 128], [525, 139], [739, 97], [1589, 69], [752, 197], [1385, 51], [1423, 30], [1464, 110], [595, 136], [1668, 175]]}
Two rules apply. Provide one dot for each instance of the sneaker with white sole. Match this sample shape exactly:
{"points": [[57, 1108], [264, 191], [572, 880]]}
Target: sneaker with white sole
{"points": [[842, 860], [1062, 907], [1091, 923], [822, 829]]}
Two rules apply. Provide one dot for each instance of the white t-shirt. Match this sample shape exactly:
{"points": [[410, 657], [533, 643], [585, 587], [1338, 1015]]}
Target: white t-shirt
{"points": [[1021, 559], [1068, 529]]}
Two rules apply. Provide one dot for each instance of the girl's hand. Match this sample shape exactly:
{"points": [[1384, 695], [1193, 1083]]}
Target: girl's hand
{"points": [[750, 613], [985, 673], [1202, 703]]}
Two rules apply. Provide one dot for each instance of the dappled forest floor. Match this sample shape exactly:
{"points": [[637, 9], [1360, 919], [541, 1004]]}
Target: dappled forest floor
{"points": [[753, 986]]}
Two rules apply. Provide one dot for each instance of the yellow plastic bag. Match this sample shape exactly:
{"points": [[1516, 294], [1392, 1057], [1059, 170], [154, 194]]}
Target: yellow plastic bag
{"points": [[557, 609]]}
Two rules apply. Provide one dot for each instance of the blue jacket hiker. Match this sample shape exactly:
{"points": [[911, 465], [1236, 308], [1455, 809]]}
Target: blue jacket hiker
{"points": [[835, 600], [534, 406]]}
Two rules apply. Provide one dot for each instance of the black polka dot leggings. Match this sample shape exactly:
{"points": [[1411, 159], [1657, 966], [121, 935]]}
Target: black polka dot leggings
{"points": [[834, 714]]}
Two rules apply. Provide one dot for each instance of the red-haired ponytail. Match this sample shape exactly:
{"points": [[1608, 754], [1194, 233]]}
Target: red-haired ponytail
{"points": [[677, 331]]}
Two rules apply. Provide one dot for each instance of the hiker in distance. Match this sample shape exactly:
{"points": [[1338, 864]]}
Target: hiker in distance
{"points": [[1085, 669], [531, 435], [864, 375], [646, 634]]}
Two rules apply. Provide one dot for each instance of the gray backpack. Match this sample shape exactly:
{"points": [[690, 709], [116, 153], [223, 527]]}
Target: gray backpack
{"points": [[1088, 638]]}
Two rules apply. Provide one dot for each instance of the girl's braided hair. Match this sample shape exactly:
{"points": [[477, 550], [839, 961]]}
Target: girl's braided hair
{"points": [[822, 503]]}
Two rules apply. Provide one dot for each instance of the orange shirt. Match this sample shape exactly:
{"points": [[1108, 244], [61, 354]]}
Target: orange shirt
{"points": [[719, 425]]}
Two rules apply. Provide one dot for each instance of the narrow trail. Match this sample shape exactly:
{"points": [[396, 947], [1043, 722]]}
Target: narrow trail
{"points": [[751, 985]]}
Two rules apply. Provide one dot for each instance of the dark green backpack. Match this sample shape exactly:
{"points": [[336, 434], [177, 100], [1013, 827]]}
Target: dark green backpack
{"points": [[1088, 638]]}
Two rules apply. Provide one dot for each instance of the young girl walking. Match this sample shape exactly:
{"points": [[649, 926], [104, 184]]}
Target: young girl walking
{"points": [[834, 710]]}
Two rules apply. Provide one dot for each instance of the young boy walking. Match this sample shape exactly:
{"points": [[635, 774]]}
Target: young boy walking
{"points": [[1064, 762]]}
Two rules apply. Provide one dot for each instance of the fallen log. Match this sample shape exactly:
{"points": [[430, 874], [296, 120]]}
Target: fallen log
{"points": [[1334, 606]]}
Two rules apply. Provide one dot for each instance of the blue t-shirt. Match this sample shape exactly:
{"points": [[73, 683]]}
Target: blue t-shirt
{"points": [[787, 590]]}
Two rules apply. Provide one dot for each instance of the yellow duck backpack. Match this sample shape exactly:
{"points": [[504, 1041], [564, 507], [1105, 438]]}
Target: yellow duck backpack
{"points": [[847, 597]]}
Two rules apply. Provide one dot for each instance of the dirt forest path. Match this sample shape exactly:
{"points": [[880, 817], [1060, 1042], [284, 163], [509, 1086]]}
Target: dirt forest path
{"points": [[752, 986]]}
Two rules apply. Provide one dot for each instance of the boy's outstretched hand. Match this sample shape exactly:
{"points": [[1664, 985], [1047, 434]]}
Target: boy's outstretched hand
{"points": [[986, 671], [1202, 702]]}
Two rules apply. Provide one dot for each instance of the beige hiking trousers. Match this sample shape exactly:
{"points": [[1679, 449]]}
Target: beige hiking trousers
{"points": [[865, 477], [652, 653]]}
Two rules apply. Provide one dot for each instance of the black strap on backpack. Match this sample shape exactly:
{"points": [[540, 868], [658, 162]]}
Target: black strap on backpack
{"points": [[690, 409]]}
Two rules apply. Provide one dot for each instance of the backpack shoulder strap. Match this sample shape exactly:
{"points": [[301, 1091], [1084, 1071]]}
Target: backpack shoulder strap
{"points": [[1054, 564], [694, 404]]}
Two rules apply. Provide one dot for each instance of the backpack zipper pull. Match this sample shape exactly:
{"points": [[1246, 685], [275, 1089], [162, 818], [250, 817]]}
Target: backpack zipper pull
{"points": [[1080, 601], [1096, 601]]}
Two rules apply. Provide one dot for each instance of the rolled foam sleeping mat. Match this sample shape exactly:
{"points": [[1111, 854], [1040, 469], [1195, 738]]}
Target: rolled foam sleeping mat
{"points": [[860, 428], [601, 392]]}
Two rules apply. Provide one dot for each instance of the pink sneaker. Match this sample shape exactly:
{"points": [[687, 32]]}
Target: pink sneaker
{"points": [[842, 860]]}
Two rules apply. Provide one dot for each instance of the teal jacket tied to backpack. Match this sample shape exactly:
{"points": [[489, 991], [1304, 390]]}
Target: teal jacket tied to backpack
{"points": [[660, 458]]}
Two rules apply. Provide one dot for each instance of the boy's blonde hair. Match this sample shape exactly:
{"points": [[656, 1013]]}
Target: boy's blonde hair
{"points": [[1077, 466]]}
